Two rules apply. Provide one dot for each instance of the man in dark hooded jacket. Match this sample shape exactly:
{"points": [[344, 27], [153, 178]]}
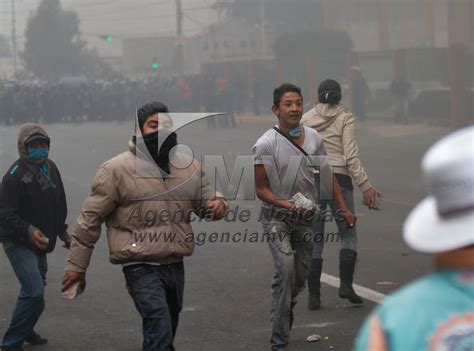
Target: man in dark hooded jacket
{"points": [[32, 215]]}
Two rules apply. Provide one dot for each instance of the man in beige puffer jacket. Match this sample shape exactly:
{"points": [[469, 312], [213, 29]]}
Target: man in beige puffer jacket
{"points": [[336, 126], [147, 211]]}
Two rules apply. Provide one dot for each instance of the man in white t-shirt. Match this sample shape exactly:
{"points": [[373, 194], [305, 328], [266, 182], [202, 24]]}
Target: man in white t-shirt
{"points": [[281, 171]]}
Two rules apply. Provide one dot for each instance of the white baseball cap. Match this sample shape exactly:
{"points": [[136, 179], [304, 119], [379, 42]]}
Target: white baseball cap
{"points": [[444, 220]]}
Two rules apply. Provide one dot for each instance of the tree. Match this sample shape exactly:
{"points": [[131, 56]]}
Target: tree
{"points": [[4, 47], [94, 67], [53, 46]]}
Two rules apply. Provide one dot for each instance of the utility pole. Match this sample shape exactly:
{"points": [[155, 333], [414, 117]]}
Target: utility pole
{"points": [[263, 33], [179, 38], [14, 37]]}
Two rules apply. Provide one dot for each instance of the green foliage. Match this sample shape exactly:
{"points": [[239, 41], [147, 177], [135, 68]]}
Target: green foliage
{"points": [[53, 46], [92, 66], [54, 49]]}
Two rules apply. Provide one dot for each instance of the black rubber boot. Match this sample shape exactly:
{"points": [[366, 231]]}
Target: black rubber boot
{"points": [[314, 284], [35, 339], [347, 261]]}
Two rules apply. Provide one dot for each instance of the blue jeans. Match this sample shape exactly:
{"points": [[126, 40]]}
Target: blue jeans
{"points": [[30, 268], [290, 244], [157, 292], [347, 236]]}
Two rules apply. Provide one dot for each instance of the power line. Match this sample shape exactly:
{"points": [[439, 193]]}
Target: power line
{"points": [[85, 6], [138, 35], [119, 19], [113, 19], [116, 5], [99, 10], [115, 10], [199, 8], [195, 21]]}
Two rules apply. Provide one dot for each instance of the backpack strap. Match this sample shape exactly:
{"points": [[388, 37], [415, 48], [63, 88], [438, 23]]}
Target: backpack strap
{"points": [[291, 141]]}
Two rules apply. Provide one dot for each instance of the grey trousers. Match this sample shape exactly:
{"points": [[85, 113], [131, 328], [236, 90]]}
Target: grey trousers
{"points": [[290, 243]]}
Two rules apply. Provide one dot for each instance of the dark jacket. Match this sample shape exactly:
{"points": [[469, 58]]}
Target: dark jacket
{"points": [[27, 203]]}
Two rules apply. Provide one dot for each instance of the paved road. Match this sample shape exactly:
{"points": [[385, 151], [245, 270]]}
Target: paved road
{"points": [[227, 294]]}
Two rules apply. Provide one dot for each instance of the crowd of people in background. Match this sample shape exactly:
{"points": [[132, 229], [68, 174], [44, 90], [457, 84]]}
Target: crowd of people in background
{"points": [[80, 101]]}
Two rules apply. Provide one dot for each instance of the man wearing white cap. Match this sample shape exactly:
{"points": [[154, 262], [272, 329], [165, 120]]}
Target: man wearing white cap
{"points": [[437, 311]]}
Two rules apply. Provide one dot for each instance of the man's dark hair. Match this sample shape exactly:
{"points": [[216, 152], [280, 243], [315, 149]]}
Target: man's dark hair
{"points": [[282, 90], [148, 110], [329, 92]]}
